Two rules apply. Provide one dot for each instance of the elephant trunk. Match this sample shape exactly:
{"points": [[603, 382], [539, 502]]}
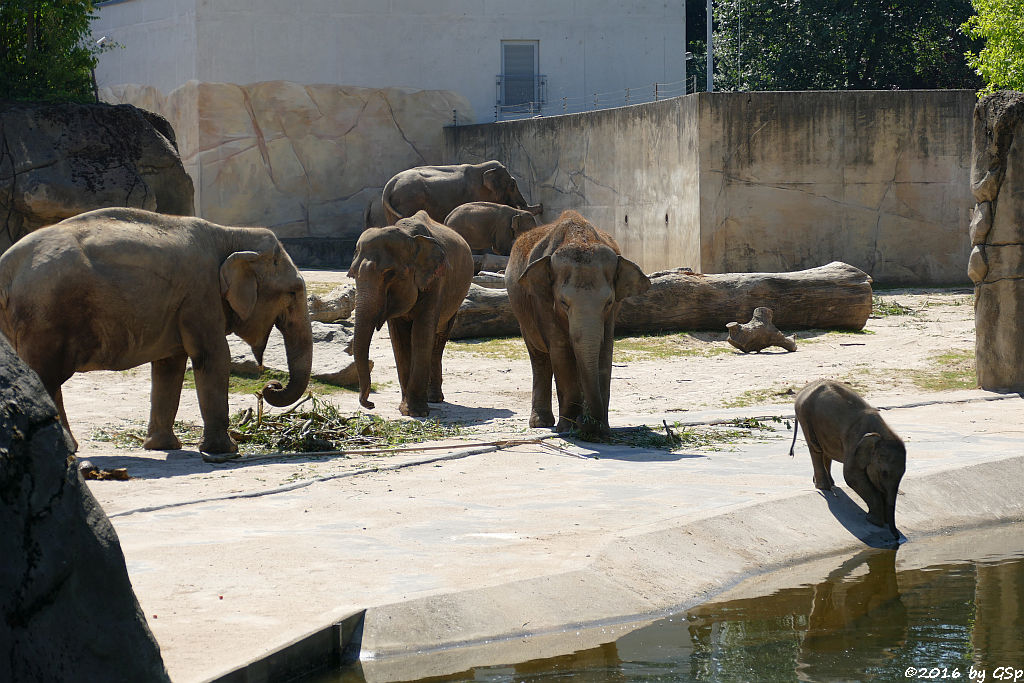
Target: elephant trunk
{"points": [[587, 342], [366, 322], [890, 509], [298, 343]]}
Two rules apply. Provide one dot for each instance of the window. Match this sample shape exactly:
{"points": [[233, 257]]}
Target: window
{"points": [[519, 82]]}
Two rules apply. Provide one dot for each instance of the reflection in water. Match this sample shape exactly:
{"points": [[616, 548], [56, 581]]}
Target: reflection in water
{"points": [[864, 622]]}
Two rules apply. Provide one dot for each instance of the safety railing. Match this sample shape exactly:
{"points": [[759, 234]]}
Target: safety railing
{"points": [[598, 100]]}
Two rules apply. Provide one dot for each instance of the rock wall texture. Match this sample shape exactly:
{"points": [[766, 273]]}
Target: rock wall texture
{"points": [[303, 160], [67, 609], [758, 181], [58, 160], [997, 236]]}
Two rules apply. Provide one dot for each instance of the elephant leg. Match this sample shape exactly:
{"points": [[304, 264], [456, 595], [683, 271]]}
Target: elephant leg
{"points": [[568, 388], [434, 393], [165, 394], [822, 465], [211, 366], [540, 411], [401, 341], [858, 480], [422, 337], [58, 400]]}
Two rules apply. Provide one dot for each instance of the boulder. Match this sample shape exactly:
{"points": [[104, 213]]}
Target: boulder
{"points": [[996, 263], [67, 609], [58, 160]]}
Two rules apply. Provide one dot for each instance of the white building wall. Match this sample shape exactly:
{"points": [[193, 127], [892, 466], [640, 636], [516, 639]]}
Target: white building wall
{"points": [[585, 46]]}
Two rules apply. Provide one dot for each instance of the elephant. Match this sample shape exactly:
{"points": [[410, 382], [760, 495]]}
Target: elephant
{"points": [[840, 425], [439, 189], [414, 275], [114, 288], [565, 283], [489, 226]]}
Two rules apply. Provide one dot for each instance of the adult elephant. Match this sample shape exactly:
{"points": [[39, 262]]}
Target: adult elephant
{"points": [[489, 226], [439, 189], [566, 282], [412, 275], [115, 288]]}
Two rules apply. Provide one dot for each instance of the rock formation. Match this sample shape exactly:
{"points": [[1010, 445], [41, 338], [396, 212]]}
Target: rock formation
{"points": [[997, 235], [67, 610], [58, 160]]}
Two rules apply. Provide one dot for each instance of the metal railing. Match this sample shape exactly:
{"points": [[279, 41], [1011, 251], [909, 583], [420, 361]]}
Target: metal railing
{"points": [[517, 91], [599, 100]]}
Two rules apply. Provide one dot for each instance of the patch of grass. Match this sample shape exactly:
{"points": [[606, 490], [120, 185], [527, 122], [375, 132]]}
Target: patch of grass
{"points": [[753, 397], [953, 370], [884, 307], [510, 348], [669, 345], [250, 383], [132, 436], [321, 289], [676, 436]]}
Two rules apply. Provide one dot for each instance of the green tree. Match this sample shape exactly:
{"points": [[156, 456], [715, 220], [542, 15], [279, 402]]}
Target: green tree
{"points": [[1000, 23], [46, 50], [841, 44]]}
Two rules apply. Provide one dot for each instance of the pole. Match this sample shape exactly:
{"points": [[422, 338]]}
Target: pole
{"points": [[711, 52]]}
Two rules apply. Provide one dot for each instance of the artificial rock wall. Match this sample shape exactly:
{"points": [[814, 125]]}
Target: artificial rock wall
{"points": [[303, 160], [997, 234], [758, 181]]}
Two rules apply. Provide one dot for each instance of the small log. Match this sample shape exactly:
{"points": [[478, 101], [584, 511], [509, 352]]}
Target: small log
{"points": [[835, 296], [759, 333]]}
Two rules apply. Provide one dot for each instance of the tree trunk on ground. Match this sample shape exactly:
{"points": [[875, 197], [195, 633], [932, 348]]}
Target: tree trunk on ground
{"points": [[835, 296]]}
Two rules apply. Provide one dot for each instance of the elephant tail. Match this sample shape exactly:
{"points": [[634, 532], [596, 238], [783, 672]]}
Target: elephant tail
{"points": [[390, 214], [796, 428]]}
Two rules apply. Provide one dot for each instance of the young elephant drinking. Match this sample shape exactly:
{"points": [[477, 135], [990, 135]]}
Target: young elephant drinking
{"points": [[839, 425], [566, 282]]}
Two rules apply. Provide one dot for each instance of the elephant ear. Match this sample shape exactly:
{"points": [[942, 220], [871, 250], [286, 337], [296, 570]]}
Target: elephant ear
{"points": [[429, 261], [536, 279], [629, 280], [492, 180], [866, 446], [238, 282]]}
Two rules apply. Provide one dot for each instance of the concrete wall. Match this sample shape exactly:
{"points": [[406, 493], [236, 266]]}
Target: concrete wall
{"points": [[767, 181], [585, 46]]}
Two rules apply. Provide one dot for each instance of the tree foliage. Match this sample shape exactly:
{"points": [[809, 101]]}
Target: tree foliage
{"points": [[841, 44], [46, 50], [1000, 23]]}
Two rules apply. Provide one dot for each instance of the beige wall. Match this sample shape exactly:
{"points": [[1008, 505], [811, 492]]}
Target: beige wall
{"points": [[303, 160], [767, 181]]}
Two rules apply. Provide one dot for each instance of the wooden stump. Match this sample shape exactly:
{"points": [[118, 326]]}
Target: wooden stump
{"points": [[759, 333], [835, 296]]}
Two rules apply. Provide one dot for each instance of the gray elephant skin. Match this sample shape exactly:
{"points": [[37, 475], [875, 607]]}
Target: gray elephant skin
{"points": [[840, 425], [566, 282], [487, 226], [439, 189], [115, 288], [412, 275]]}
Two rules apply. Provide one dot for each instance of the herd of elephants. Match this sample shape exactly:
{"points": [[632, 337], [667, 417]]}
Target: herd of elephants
{"points": [[116, 288]]}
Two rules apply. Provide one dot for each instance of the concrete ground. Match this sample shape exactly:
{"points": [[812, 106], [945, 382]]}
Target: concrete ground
{"points": [[516, 552]]}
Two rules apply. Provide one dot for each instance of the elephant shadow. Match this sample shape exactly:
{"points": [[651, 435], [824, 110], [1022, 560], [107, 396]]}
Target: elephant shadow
{"points": [[454, 413], [852, 516], [629, 444]]}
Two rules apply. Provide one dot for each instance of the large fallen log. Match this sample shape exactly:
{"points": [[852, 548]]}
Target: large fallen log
{"points": [[835, 296]]}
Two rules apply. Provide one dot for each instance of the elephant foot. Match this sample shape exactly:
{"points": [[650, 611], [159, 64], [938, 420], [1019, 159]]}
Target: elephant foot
{"points": [[542, 419], [435, 396], [166, 441], [874, 519], [414, 409], [221, 443], [565, 425], [826, 485]]}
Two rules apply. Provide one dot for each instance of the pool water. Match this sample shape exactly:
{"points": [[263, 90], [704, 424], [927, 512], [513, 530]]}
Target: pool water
{"points": [[864, 620]]}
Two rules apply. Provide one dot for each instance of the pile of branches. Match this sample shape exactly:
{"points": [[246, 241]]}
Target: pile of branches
{"points": [[316, 425]]}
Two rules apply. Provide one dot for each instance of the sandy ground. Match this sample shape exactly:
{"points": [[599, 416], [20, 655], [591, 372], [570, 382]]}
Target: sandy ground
{"points": [[487, 383]]}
